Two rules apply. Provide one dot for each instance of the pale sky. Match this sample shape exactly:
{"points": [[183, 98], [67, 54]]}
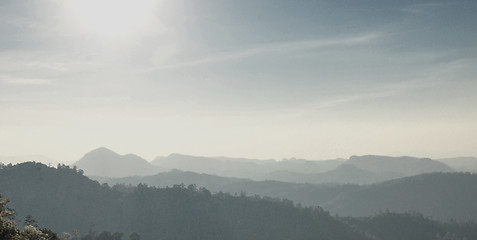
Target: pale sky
{"points": [[250, 78]]}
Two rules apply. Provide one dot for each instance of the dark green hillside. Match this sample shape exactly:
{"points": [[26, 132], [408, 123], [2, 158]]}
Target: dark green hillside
{"points": [[411, 226], [64, 200], [303, 193], [440, 195], [10, 231], [431, 194], [61, 199]]}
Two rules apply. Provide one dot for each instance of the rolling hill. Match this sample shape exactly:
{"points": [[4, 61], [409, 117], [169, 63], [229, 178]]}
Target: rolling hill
{"points": [[438, 195], [442, 196]]}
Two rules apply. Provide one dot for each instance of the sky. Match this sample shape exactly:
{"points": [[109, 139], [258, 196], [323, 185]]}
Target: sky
{"points": [[267, 79]]}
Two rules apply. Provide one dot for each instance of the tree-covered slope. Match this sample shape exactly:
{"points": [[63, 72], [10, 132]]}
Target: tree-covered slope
{"points": [[411, 226], [304, 193], [440, 195], [64, 200]]}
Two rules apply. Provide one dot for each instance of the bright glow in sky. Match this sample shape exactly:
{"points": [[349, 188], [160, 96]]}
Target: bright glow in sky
{"points": [[257, 79], [111, 17]]}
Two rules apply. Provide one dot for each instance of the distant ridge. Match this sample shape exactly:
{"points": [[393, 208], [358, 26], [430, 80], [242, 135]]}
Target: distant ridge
{"points": [[241, 167], [407, 166], [106, 163], [464, 164], [174, 177], [344, 174], [368, 169]]}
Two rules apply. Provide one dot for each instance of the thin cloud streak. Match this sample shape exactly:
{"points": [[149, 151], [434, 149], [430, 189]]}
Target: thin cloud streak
{"points": [[278, 47], [440, 77], [420, 8], [24, 81]]}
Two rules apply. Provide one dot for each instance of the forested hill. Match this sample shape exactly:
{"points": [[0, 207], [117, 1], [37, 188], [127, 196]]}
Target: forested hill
{"points": [[63, 199], [443, 196]]}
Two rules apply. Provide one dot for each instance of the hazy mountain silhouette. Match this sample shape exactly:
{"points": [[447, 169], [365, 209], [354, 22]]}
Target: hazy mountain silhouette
{"points": [[465, 164], [345, 173], [241, 167], [171, 178], [106, 163], [357, 169], [440, 195], [407, 166], [368, 169]]}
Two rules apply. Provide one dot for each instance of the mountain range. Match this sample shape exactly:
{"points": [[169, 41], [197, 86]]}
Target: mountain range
{"points": [[103, 162], [63, 199]]}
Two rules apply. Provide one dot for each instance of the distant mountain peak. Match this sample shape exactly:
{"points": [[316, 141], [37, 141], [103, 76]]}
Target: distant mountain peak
{"points": [[102, 151], [107, 163]]}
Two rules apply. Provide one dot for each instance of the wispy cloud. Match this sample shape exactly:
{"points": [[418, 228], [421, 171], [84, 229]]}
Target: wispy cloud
{"points": [[275, 47], [354, 98], [418, 8], [24, 81], [440, 76]]}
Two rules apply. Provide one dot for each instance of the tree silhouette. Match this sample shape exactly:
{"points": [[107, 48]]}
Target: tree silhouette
{"points": [[29, 221]]}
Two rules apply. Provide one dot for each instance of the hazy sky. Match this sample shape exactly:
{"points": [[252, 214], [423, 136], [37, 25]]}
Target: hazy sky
{"points": [[249, 78]]}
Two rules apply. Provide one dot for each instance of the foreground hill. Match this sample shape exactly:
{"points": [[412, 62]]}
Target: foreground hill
{"points": [[439, 195], [106, 163], [64, 200]]}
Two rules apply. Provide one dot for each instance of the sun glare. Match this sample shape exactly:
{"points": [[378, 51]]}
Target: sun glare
{"points": [[112, 17]]}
